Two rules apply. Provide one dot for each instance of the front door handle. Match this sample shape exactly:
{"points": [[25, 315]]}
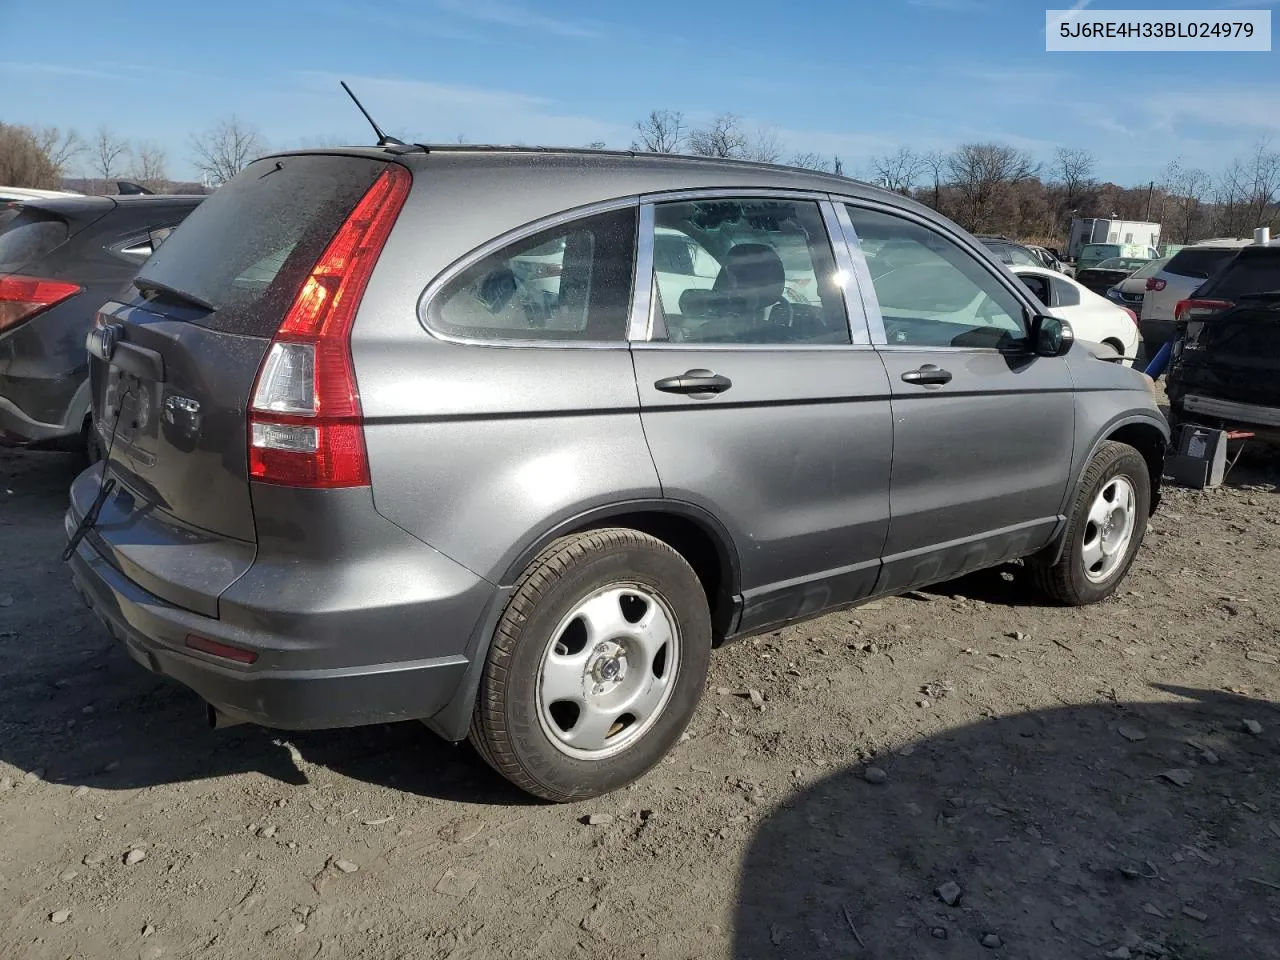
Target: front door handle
{"points": [[694, 382], [928, 375]]}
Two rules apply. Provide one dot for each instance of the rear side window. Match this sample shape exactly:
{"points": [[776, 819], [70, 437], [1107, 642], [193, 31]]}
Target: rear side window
{"points": [[1247, 274], [247, 249], [570, 282], [1200, 264], [27, 237], [1023, 257]]}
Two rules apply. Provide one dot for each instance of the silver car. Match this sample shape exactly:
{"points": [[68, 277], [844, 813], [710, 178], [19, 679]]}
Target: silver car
{"points": [[424, 434]]}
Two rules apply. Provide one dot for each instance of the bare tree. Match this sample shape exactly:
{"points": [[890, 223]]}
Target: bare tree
{"points": [[765, 146], [663, 131], [898, 171], [935, 162], [109, 155], [1185, 189], [979, 173], [1248, 190], [723, 137], [837, 166], [61, 147], [23, 160], [811, 161], [1073, 167], [225, 149], [149, 167], [596, 145]]}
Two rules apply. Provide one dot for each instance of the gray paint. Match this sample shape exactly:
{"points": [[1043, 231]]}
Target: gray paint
{"points": [[825, 476]]}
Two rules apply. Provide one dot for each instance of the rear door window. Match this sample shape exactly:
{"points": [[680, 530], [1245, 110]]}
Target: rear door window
{"points": [[247, 249], [30, 235], [569, 282]]}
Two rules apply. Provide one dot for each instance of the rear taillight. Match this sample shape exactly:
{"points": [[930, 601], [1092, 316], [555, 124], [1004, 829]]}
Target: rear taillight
{"points": [[1193, 309], [305, 421], [1132, 316], [21, 298], [1156, 284]]}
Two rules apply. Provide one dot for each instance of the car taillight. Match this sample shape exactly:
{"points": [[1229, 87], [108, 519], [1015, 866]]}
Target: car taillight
{"points": [[1193, 309], [305, 422], [21, 298], [1132, 316], [1156, 284]]}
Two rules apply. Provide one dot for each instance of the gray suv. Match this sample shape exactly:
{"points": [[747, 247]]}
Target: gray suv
{"points": [[432, 433]]}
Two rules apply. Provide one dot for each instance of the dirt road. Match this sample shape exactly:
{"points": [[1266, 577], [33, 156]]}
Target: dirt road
{"points": [[1085, 778]]}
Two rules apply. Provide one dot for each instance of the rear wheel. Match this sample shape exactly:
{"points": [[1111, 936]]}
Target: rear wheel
{"points": [[1106, 528], [596, 666]]}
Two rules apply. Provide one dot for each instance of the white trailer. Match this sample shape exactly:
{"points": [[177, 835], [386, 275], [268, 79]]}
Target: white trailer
{"points": [[1102, 230]]}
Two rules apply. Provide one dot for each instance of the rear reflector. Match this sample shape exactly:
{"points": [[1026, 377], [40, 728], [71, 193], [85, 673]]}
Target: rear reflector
{"points": [[21, 298], [223, 650], [305, 423], [1188, 310]]}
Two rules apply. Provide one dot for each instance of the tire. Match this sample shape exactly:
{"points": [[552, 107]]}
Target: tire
{"points": [[1086, 572], [626, 584]]}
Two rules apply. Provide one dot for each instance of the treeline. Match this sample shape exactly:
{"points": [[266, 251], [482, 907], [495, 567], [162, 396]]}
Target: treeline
{"points": [[43, 157], [996, 188], [985, 187]]}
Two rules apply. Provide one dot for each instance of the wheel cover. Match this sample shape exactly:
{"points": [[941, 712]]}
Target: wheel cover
{"points": [[1108, 529], [608, 671]]}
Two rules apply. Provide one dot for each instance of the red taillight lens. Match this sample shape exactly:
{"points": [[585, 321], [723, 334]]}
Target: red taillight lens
{"points": [[21, 298], [1132, 316], [1156, 284], [1187, 310], [305, 421], [223, 650]]}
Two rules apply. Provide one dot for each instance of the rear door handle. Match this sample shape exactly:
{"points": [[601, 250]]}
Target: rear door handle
{"points": [[929, 375], [694, 382]]}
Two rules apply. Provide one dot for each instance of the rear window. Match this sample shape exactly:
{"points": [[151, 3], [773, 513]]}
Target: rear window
{"points": [[28, 236], [247, 249], [1250, 273], [1200, 264]]}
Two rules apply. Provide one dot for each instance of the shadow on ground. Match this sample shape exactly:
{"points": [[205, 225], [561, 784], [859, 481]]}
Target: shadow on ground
{"points": [[74, 705], [1063, 834]]}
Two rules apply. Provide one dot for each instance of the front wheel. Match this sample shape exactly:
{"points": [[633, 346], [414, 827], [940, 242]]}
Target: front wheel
{"points": [[596, 666], [1106, 528]]}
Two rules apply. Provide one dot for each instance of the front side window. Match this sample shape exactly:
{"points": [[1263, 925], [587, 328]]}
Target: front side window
{"points": [[569, 282], [1023, 257], [747, 271], [932, 292]]}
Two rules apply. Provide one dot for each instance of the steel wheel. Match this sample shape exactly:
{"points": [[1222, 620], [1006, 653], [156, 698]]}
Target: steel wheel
{"points": [[608, 671], [1109, 528]]}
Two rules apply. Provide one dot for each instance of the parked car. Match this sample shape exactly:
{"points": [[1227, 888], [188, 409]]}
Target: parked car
{"points": [[23, 194], [1226, 357], [1093, 318], [60, 258], [1129, 292], [1102, 276], [1011, 252], [351, 478], [1185, 271], [1091, 254]]}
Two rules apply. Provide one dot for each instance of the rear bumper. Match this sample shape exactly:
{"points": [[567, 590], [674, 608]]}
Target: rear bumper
{"points": [[284, 695], [17, 427], [1157, 332], [1263, 422]]}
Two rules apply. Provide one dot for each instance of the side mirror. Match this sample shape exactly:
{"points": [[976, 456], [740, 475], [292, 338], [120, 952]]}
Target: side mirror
{"points": [[1051, 337]]}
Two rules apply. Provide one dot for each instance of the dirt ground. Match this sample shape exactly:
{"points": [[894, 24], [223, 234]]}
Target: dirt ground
{"points": [[1085, 778]]}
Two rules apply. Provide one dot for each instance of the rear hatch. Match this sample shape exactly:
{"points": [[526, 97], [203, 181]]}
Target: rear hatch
{"points": [[1184, 273], [184, 351], [1231, 346]]}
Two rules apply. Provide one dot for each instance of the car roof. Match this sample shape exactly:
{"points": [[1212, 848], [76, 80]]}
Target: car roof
{"points": [[680, 170], [31, 193]]}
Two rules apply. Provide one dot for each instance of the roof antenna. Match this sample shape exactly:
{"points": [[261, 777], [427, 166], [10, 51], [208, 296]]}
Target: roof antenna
{"points": [[383, 139]]}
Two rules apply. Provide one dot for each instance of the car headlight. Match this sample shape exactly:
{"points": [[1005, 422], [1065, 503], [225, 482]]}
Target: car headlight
{"points": [[1114, 294]]}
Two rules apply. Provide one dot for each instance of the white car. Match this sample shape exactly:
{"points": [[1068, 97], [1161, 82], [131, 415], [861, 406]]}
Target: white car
{"points": [[1181, 276], [1093, 319]]}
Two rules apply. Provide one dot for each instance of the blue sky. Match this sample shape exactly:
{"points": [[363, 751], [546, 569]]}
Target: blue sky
{"points": [[855, 78]]}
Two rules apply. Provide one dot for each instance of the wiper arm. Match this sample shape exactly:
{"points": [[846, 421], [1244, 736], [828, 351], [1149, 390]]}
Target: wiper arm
{"points": [[145, 285]]}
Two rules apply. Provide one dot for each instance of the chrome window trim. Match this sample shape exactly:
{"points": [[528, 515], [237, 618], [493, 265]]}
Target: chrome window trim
{"points": [[876, 318], [859, 335], [866, 286], [640, 323], [859, 329], [471, 258]]}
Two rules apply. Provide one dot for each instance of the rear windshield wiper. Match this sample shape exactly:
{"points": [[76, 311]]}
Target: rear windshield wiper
{"points": [[145, 285]]}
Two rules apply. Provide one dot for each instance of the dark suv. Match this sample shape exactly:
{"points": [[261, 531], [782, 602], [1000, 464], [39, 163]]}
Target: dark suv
{"points": [[439, 435], [1226, 355], [60, 258]]}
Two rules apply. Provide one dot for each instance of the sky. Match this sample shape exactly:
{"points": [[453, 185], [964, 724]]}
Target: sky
{"points": [[856, 78]]}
